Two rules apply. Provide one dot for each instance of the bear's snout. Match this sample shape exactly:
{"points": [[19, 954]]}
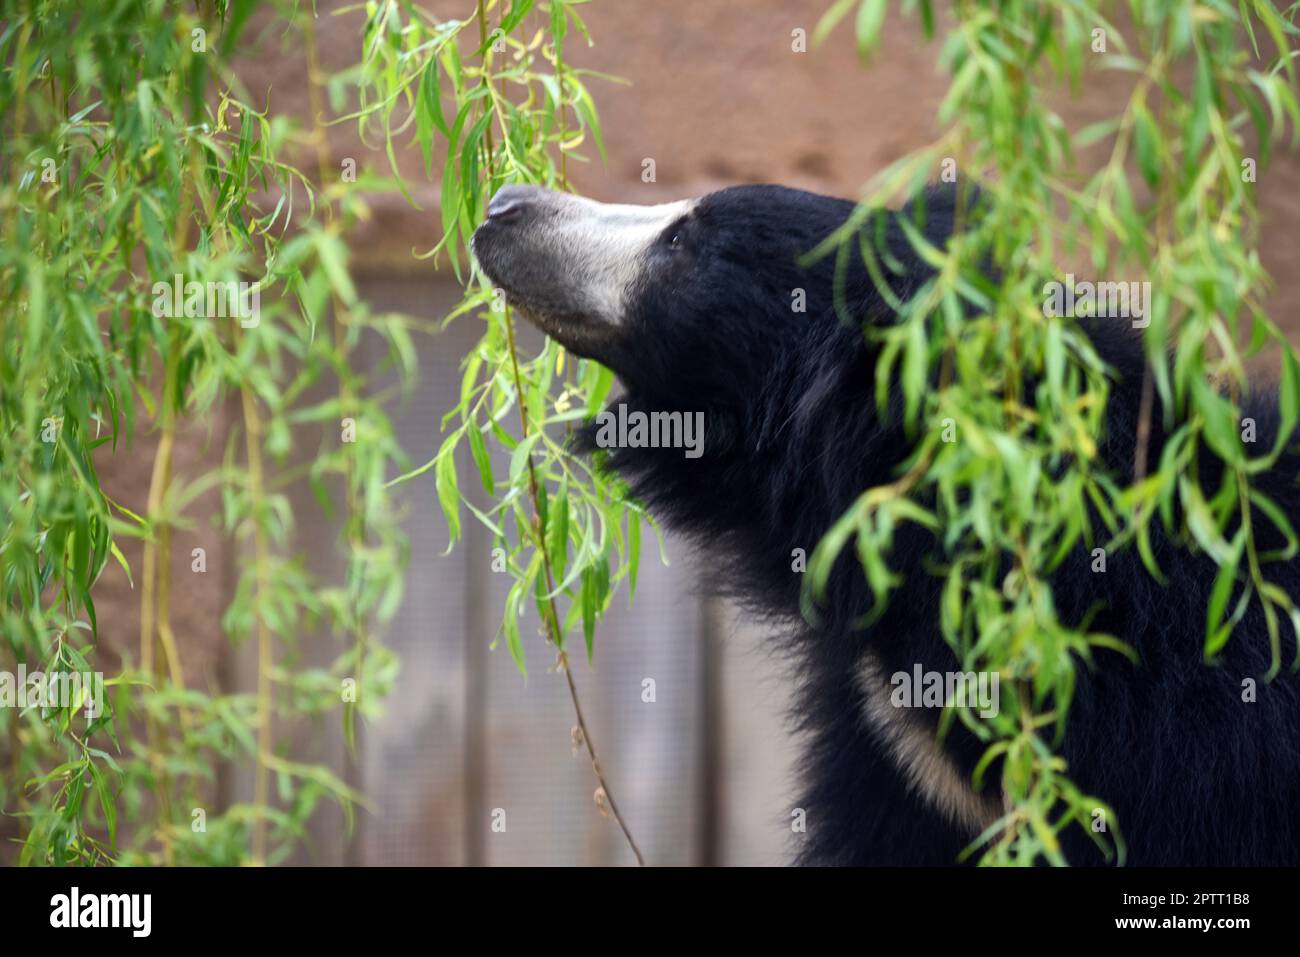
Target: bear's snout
{"points": [[515, 204], [516, 246], [566, 262]]}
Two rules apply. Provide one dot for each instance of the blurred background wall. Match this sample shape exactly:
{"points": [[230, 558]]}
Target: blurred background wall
{"points": [[715, 95]]}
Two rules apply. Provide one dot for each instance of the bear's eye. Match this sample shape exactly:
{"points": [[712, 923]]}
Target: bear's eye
{"points": [[675, 235]]}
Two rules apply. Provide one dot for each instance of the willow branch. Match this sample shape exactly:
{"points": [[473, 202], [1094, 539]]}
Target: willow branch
{"points": [[554, 632]]}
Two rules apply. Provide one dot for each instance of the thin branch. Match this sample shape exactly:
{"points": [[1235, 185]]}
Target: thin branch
{"points": [[354, 522], [554, 632]]}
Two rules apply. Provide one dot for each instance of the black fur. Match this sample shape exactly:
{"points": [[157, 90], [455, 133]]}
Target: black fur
{"points": [[1196, 775]]}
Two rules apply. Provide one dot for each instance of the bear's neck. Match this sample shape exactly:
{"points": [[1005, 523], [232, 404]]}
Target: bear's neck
{"points": [[778, 467]]}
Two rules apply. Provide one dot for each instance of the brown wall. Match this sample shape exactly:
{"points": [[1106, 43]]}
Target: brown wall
{"points": [[715, 95]]}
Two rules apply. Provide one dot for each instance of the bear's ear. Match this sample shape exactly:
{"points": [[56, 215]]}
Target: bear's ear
{"points": [[832, 381], [941, 203]]}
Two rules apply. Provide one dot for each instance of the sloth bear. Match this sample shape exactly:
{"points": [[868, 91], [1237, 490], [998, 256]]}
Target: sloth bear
{"points": [[690, 304]]}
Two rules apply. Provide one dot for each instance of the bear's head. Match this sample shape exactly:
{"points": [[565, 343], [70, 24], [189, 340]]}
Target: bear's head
{"points": [[715, 309], [694, 302]]}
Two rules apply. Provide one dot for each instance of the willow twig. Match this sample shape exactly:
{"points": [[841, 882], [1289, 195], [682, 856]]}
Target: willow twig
{"points": [[554, 632]]}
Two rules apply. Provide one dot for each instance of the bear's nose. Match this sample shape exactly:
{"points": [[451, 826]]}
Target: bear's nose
{"points": [[512, 202]]}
